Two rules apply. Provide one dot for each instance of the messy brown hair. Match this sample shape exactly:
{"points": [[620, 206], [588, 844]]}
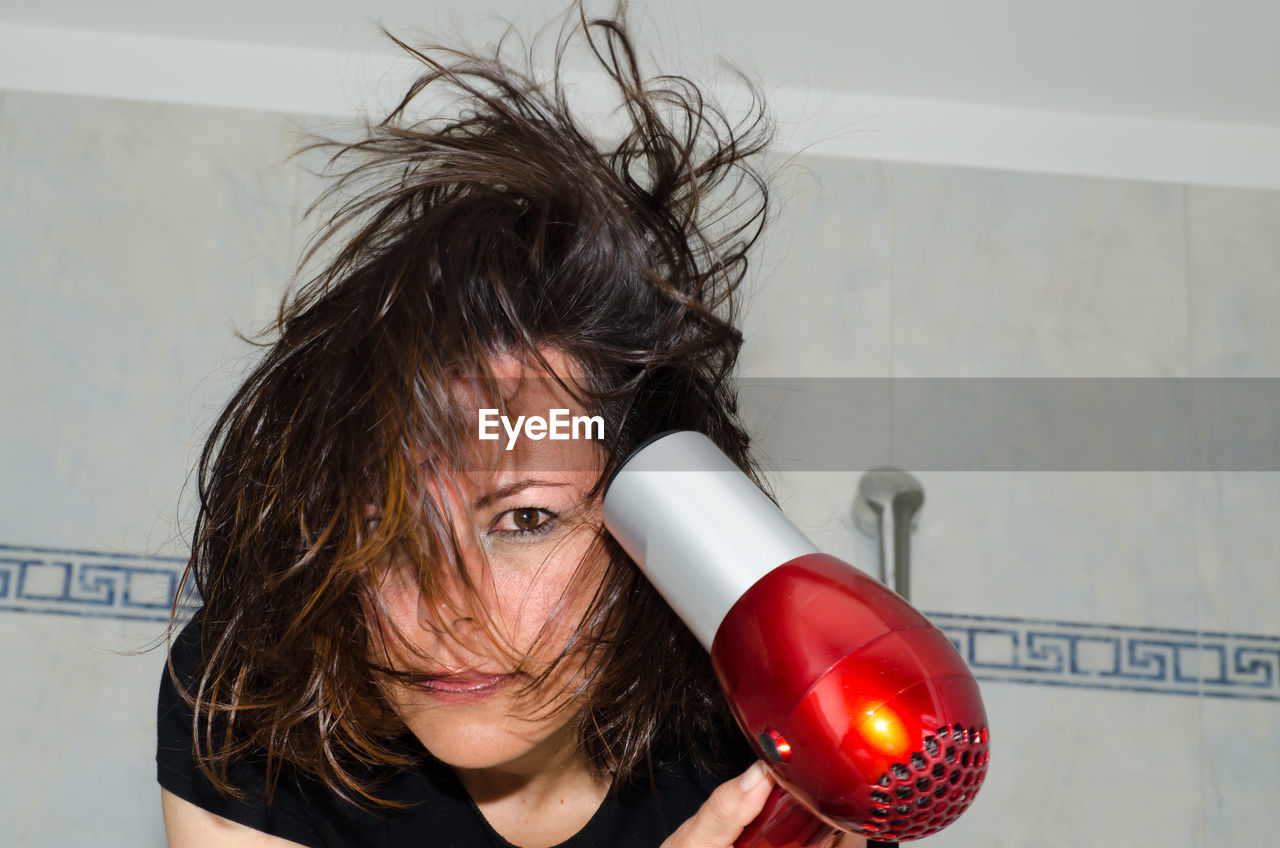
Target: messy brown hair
{"points": [[496, 227]]}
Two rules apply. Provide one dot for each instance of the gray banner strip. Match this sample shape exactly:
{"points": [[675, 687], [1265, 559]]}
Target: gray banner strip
{"points": [[1015, 424]]}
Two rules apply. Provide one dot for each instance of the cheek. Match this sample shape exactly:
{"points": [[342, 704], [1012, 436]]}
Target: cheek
{"points": [[547, 601], [397, 599]]}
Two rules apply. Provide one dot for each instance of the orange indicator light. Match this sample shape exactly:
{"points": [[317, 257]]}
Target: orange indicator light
{"points": [[883, 731]]}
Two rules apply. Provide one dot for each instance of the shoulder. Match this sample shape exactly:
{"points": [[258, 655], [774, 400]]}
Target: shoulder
{"points": [[653, 804], [189, 826], [193, 805]]}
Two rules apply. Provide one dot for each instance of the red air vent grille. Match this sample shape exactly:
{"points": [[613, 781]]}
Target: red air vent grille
{"points": [[919, 797]]}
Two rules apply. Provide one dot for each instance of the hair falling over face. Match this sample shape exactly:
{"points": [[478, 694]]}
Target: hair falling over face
{"points": [[496, 231]]}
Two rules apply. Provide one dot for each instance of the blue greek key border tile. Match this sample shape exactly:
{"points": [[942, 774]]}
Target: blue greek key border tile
{"points": [[1126, 658], [997, 649], [88, 583]]}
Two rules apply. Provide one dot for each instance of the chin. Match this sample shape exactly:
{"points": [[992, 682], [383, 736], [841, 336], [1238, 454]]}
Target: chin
{"points": [[469, 739], [472, 758]]}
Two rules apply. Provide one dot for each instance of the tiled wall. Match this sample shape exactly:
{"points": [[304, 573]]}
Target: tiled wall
{"points": [[1123, 622], [134, 239]]}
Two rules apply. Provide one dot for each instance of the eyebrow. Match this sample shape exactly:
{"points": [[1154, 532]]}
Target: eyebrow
{"points": [[510, 489]]}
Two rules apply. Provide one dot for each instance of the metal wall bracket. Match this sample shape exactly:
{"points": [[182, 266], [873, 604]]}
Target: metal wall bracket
{"points": [[886, 506]]}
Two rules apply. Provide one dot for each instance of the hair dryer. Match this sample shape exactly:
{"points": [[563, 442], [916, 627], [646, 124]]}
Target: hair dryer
{"points": [[869, 718]]}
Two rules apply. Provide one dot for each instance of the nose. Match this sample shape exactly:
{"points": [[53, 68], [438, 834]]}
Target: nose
{"points": [[454, 636], [445, 608], [449, 602], [449, 607]]}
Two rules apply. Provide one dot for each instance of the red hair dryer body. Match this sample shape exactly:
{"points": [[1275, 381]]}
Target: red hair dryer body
{"points": [[868, 716]]}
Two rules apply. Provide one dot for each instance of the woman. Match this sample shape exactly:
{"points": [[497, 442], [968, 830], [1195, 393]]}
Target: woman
{"points": [[415, 634]]}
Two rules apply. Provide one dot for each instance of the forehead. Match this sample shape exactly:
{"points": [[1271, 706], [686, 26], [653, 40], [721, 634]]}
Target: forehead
{"points": [[527, 420], [522, 379]]}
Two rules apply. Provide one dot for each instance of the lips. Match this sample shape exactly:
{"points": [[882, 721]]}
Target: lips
{"points": [[458, 688]]}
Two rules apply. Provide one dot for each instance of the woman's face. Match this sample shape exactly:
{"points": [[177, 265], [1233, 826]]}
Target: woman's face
{"points": [[528, 541]]}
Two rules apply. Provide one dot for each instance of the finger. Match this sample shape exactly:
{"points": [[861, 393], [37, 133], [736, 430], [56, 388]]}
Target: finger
{"points": [[730, 808]]}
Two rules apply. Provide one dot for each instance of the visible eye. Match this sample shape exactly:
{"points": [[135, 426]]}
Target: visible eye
{"points": [[524, 521]]}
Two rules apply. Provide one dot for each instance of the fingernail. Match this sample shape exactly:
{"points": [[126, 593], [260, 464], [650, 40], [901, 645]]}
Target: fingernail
{"points": [[752, 776]]}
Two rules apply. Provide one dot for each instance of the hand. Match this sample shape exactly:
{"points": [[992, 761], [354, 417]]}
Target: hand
{"points": [[721, 818]]}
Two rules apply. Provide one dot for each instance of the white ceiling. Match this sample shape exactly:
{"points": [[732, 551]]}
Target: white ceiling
{"points": [[1146, 77]]}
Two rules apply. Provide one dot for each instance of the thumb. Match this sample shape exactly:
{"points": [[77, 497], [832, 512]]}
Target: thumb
{"points": [[730, 808]]}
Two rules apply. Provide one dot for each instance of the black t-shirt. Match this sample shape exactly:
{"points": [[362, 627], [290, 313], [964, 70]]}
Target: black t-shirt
{"points": [[440, 813]]}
